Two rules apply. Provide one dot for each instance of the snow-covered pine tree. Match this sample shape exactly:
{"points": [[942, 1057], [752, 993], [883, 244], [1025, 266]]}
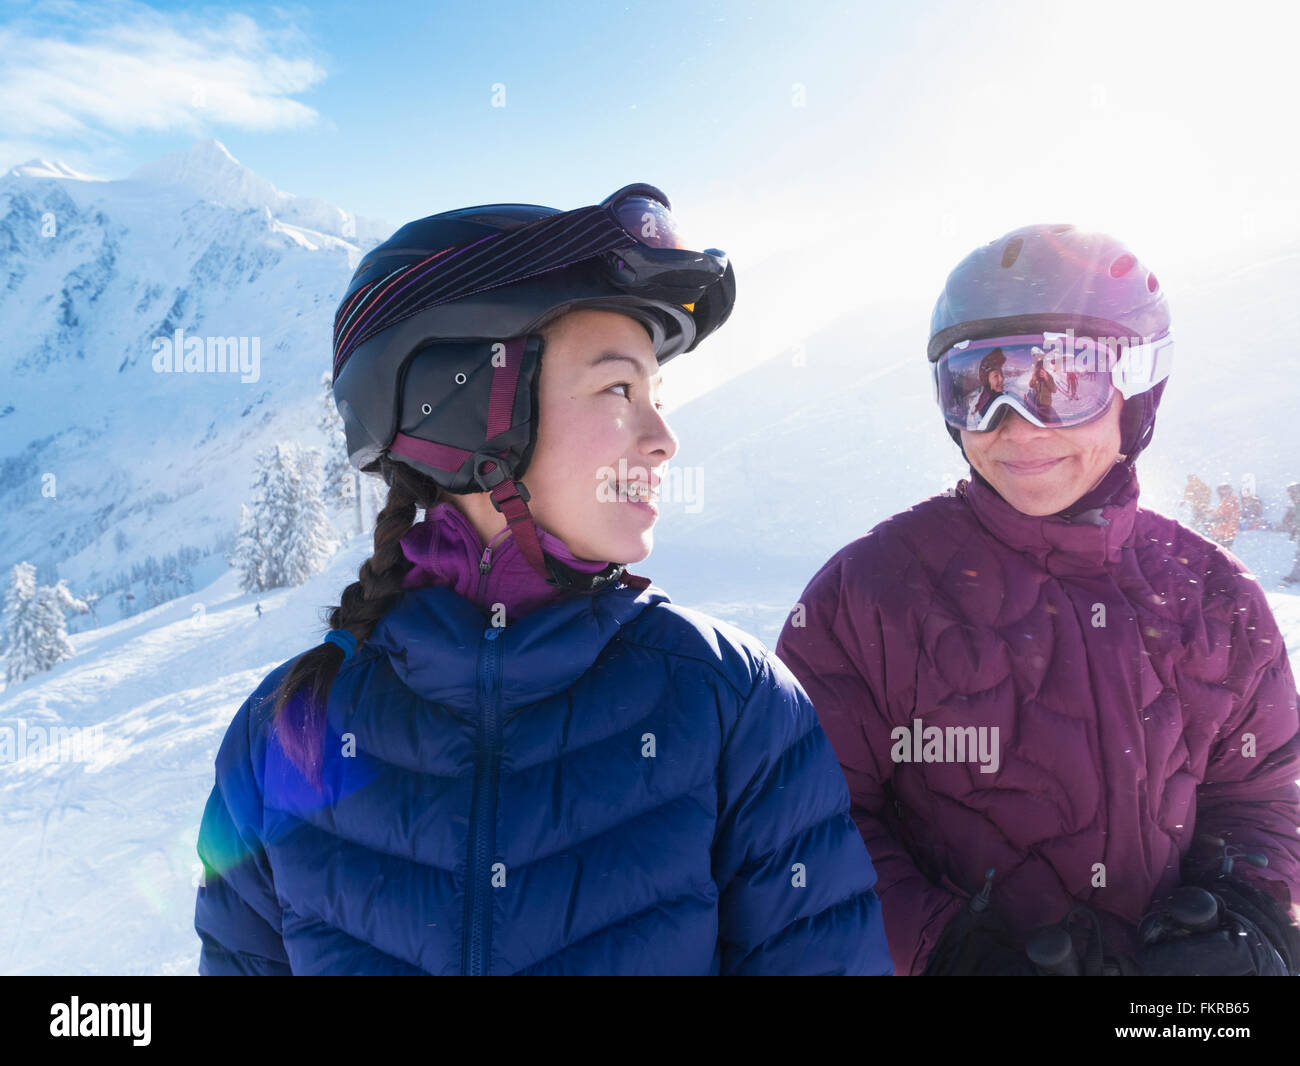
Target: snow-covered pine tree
{"points": [[22, 642], [51, 602], [286, 535], [278, 503], [35, 623], [249, 556], [311, 538]]}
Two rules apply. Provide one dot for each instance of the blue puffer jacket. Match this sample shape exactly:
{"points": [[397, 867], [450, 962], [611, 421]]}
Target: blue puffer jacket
{"points": [[609, 785]]}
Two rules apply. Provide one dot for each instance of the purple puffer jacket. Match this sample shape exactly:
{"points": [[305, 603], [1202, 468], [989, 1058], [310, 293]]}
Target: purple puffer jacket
{"points": [[1136, 677]]}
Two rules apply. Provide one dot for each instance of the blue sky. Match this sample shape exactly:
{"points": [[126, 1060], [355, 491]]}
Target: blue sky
{"points": [[838, 152], [397, 107], [387, 108]]}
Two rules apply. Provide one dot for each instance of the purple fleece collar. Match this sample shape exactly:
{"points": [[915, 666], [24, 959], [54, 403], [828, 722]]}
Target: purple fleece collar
{"points": [[447, 551], [1090, 543]]}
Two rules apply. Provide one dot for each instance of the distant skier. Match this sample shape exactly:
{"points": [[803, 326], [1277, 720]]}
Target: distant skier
{"points": [[1227, 518], [1291, 526], [1197, 496], [1252, 510], [259, 610]]}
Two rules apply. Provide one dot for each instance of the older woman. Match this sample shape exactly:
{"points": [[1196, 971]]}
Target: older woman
{"points": [[1068, 723]]}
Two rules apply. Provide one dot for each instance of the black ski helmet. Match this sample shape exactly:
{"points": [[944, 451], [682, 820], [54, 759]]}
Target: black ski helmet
{"points": [[437, 353], [1055, 277]]}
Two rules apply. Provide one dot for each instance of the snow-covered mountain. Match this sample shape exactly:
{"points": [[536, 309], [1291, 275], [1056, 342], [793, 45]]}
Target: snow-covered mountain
{"points": [[43, 168], [103, 459]]}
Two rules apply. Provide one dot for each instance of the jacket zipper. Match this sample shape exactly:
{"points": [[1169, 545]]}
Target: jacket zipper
{"points": [[477, 938], [484, 565]]}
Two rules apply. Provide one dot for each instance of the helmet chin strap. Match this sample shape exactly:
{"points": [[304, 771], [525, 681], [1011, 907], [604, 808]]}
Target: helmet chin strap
{"points": [[510, 499], [510, 496]]}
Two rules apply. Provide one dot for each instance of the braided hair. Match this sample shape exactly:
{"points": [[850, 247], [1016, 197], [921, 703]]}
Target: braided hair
{"points": [[300, 724]]}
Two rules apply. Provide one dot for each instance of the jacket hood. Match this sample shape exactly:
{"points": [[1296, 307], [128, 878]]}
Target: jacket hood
{"points": [[434, 639]]}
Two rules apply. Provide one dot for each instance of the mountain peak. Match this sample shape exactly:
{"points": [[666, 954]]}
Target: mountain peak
{"points": [[43, 168], [208, 169], [214, 152]]}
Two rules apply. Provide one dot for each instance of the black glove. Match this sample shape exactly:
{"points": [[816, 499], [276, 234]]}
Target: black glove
{"points": [[978, 941], [1054, 952], [1226, 928], [1247, 903], [980, 945]]}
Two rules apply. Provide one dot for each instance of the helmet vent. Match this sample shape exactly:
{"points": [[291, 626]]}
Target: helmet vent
{"points": [[1152, 283], [1122, 265], [1012, 251]]}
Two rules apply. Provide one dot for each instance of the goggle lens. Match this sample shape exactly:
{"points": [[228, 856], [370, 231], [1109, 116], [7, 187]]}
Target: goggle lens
{"points": [[649, 221], [1046, 383]]}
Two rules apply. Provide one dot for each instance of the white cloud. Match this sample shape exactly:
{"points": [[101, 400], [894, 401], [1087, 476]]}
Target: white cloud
{"points": [[80, 72]]}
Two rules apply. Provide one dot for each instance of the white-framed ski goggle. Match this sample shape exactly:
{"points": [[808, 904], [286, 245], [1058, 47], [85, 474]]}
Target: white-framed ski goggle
{"points": [[1052, 380]]}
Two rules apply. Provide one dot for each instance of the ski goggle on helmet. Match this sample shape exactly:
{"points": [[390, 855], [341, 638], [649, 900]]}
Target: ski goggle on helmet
{"points": [[632, 235], [1052, 380], [417, 333]]}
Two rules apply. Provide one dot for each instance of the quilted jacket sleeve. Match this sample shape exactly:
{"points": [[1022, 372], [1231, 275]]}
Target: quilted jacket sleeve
{"points": [[1249, 797], [915, 909], [794, 877], [236, 914]]}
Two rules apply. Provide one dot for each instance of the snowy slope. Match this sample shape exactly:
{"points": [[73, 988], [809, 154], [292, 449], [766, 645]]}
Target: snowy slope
{"points": [[99, 855]]}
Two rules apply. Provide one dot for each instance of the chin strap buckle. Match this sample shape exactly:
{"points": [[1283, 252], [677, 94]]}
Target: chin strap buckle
{"points": [[510, 498]]}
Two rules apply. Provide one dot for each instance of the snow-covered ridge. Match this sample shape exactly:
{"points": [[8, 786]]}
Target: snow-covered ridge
{"points": [[43, 168], [211, 172]]}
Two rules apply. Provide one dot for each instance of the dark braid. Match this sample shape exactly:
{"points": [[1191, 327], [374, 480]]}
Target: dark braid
{"points": [[299, 724]]}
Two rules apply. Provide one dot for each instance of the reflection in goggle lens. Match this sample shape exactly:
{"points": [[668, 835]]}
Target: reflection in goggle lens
{"points": [[649, 221]]}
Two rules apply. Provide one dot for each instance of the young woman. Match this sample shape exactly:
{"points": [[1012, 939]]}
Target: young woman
{"points": [[511, 756], [1068, 723]]}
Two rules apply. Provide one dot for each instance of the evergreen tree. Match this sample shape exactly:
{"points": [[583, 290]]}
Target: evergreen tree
{"points": [[35, 623], [311, 538], [52, 601], [250, 552], [21, 638], [286, 536]]}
